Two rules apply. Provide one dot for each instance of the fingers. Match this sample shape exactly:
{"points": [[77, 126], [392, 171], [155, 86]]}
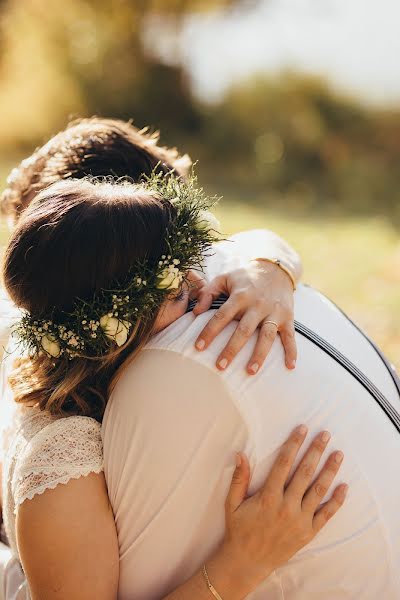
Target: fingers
{"points": [[266, 338], [247, 326], [216, 324], [208, 293], [281, 468], [321, 485], [330, 508], [303, 475], [240, 483], [288, 338]]}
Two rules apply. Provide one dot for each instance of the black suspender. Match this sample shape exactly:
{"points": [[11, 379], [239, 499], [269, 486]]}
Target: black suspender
{"points": [[351, 368]]}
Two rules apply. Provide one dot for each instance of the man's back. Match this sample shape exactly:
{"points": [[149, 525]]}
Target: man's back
{"points": [[174, 424]]}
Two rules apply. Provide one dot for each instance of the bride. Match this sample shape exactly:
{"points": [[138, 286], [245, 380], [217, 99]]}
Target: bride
{"points": [[98, 269]]}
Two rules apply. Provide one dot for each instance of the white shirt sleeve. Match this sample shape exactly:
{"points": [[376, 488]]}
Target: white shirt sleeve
{"points": [[66, 449], [237, 250]]}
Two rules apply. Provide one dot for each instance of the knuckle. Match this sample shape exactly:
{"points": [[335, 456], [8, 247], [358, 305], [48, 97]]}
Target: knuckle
{"points": [[331, 467], [283, 460], [307, 470], [260, 304], [319, 445], [240, 296], [219, 316], [289, 334], [244, 330], [297, 438], [327, 513], [320, 490], [268, 500], [268, 333], [286, 512], [236, 479]]}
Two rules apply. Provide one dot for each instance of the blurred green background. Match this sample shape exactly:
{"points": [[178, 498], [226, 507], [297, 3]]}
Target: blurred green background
{"points": [[291, 109]]}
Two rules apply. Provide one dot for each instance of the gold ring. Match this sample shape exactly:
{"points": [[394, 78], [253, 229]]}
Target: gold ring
{"points": [[272, 323]]}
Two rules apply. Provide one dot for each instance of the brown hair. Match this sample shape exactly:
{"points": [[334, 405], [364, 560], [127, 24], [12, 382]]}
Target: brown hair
{"points": [[76, 238], [94, 147]]}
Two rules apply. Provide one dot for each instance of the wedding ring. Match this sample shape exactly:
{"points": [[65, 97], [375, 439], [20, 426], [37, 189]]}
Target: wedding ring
{"points": [[272, 323]]}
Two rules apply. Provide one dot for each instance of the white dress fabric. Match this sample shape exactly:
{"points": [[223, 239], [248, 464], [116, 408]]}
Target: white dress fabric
{"points": [[174, 423]]}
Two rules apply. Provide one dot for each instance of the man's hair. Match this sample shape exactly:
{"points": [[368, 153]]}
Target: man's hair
{"points": [[89, 147]]}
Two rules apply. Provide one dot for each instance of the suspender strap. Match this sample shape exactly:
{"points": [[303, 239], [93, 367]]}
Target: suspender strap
{"points": [[389, 366], [350, 367]]}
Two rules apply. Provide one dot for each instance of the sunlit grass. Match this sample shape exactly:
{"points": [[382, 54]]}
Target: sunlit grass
{"points": [[356, 262]]}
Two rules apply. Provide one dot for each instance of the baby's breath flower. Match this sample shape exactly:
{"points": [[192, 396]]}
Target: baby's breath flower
{"points": [[110, 315]]}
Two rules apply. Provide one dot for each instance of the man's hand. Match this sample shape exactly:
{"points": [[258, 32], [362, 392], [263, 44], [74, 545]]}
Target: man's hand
{"points": [[260, 296]]}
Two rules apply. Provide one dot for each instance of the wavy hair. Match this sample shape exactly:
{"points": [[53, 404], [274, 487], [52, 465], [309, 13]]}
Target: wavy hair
{"points": [[76, 238], [96, 147]]}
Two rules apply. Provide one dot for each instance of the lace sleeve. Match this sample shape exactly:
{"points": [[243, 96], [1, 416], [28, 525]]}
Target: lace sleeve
{"points": [[66, 449]]}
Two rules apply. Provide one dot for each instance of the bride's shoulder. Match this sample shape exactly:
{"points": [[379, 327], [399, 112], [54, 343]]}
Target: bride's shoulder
{"points": [[52, 451]]}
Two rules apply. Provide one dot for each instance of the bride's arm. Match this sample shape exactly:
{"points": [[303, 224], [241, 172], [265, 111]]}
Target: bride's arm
{"points": [[68, 542], [260, 295]]}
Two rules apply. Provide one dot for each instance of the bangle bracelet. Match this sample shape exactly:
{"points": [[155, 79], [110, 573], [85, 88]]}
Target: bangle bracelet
{"points": [[277, 262], [209, 584]]}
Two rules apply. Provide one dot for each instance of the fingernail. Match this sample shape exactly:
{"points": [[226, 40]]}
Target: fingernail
{"points": [[200, 344], [223, 363], [238, 459], [302, 429], [338, 457], [325, 436], [254, 368], [292, 364]]}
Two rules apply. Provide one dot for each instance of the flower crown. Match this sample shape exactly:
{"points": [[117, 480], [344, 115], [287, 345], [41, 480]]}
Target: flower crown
{"points": [[94, 327]]}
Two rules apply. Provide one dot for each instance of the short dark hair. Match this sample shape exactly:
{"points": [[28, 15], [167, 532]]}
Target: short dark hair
{"points": [[94, 147]]}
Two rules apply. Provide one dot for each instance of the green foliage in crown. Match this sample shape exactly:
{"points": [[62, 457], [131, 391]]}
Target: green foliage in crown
{"points": [[93, 328]]}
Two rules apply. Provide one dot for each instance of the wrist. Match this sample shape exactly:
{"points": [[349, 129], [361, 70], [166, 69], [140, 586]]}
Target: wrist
{"points": [[234, 575], [279, 264]]}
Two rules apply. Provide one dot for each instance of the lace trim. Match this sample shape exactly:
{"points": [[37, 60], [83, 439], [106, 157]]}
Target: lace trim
{"points": [[53, 484], [62, 449]]}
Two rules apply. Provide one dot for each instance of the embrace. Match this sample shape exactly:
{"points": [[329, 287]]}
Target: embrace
{"points": [[181, 418]]}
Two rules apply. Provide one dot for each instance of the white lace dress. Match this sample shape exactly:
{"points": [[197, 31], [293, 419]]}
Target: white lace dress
{"points": [[42, 452]]}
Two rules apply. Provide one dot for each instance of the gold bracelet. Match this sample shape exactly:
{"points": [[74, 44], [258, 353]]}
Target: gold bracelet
{"points": [[277, 262], [209, 584]]}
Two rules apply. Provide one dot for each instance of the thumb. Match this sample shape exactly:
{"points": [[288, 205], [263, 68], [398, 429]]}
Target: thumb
{"points": [[240, 483], [208, 293]]}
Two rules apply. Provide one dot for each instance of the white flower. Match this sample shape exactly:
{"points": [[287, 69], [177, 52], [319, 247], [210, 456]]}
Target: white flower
{"points": [[206, 220], [169, 279], [50, 345], [115, 329]]}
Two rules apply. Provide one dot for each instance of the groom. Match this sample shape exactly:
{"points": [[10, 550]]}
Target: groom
{"points": [[173, 425]]}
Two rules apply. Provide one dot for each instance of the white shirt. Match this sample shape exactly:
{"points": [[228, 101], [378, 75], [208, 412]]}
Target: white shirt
{"points": [[174, 423]]}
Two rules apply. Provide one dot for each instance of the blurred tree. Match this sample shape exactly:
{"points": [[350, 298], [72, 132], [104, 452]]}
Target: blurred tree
{"points": [[295, 137], [88, 57]]}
